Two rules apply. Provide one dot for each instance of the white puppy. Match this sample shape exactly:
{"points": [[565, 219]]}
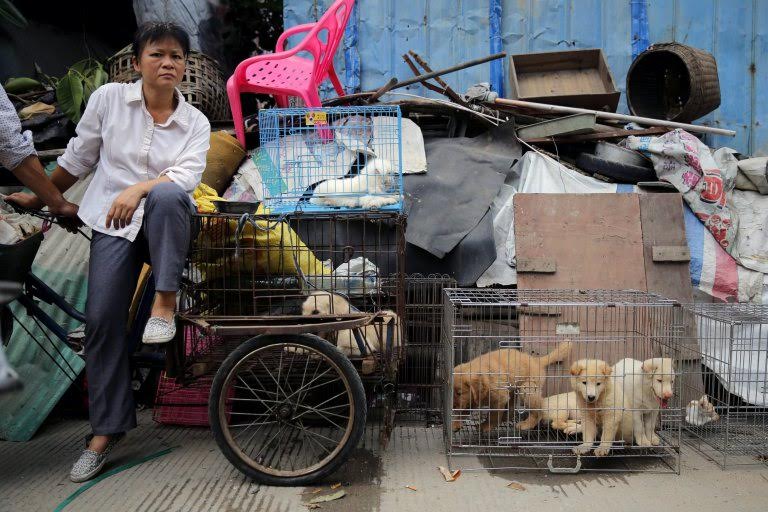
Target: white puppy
{"points": [[648, 387], [375, 335], [372, 188]]}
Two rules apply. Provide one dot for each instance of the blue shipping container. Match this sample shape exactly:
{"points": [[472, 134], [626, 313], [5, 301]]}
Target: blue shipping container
{"points": [[446, 32]]}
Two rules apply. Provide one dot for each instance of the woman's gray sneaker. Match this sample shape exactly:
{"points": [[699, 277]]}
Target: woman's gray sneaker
{"points": [[159, 330], [91, 463]]}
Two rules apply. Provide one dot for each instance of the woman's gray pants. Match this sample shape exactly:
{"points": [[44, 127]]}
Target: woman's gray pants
{"points": [[113, 272]]}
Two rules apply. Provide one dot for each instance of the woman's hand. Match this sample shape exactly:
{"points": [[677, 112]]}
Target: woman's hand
{"points": [[121, 213]]}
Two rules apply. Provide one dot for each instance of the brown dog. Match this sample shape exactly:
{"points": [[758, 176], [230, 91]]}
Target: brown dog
{"points": [[486, 381], [597, 401]]}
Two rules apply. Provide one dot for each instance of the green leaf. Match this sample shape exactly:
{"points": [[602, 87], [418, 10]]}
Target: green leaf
{"points": [[70, 94], [11, 14], [100, 77], [21, 85], [88, 88], [85, 66], [94, 81]]}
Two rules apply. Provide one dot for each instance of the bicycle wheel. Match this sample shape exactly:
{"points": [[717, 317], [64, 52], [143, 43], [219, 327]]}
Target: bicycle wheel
{"points": [[287, 410]]}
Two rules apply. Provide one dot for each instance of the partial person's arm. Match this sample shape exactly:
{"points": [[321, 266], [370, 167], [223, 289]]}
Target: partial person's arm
{"points": [[18, 154], [185, 172]]}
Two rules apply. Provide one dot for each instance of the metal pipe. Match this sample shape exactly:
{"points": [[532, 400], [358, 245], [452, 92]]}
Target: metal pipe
{"points": [[611, 115]]}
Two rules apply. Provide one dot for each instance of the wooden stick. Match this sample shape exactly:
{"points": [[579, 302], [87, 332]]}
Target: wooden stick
{"points": [[421, 78], [457, 67], [446, 88], [611, 115], [416, 72], [382, 90]]}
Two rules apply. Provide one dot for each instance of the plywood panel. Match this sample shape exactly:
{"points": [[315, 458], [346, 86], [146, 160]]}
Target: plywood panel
{"points": [[663, 225], [595, 239]]}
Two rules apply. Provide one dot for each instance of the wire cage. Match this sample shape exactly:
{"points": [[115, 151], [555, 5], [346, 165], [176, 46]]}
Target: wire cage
{"points": [[419, 390], [567, 380], [265, 270], [726, 393], [317, 160]]}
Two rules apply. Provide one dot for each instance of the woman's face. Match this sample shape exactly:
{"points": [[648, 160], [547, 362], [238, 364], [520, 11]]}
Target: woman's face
{"points": [[161, 63]]}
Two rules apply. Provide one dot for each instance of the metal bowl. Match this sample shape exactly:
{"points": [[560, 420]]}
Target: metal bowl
{"points": [[236, 207], [621, 155]]}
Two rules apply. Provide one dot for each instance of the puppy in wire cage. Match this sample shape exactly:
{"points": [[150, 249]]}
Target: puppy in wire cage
{"points": [[375, 336], [599, 405], [486, 380], [648, 387], [371, 188], [640, 389]]}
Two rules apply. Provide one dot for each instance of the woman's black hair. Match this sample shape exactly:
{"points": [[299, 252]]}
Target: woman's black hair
{"points": [[156, 31]]}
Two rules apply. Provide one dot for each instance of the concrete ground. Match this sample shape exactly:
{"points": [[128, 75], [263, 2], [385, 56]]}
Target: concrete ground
{"points": [[194, 476]]}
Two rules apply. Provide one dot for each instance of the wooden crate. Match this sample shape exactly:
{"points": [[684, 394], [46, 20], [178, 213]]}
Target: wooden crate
{"points": [[574, 78]]}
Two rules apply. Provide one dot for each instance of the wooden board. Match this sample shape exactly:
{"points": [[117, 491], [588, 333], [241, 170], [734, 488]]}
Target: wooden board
{"points": [[595, 240], [663, 225]]}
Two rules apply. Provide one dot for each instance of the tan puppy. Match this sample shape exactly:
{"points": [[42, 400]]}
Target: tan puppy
{"points": [[648, 387], [562, 411], [486, 381], [595, 394], [375, 335]]}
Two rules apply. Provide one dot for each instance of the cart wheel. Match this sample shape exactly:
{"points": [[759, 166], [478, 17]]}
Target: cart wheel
{"points": [[287, 410]]}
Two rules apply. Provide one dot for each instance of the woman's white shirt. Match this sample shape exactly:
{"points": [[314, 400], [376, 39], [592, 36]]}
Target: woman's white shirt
{"points": [[118, 139]]}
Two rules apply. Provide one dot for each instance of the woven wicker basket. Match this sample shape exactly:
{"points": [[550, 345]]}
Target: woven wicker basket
{"points": [[673, 81], [203, 84]]}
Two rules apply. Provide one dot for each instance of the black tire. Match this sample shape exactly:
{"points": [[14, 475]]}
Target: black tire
{"points": [[310, 346], [622, 173]]}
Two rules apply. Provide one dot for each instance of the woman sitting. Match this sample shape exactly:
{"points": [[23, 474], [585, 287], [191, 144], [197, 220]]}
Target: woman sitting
{"points": [[146, 147]]}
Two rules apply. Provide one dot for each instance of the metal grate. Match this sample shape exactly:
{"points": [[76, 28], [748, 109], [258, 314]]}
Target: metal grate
{"points": [[515, 366], [419, 389], [726, 417], [331, 159], [260, 268], [503, 297]]}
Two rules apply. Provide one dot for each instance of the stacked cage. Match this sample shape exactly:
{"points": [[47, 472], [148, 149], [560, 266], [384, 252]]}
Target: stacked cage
{"points": [[268, 295], [419, 390], [726, 389], [296, 270], [331, 159], [568, 380]]}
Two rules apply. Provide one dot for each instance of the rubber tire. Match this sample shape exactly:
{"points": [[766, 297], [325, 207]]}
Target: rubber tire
{"points": [[311, 341], [622, 173]]}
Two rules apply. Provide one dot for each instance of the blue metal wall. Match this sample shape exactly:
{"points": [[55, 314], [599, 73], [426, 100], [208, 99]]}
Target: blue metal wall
{"points": [[449, 31]]}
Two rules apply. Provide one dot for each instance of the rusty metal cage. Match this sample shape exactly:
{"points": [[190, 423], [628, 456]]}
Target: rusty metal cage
{"points": [[419, 390], [726, 392], [544, 376], [286, 274]]}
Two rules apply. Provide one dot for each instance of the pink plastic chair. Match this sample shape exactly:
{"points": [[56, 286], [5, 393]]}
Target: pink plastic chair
{"points": [[285, 73]]}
